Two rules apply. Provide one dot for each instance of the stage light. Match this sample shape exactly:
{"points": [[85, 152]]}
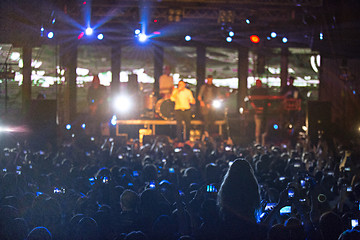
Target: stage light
{"points": [[81, 35], [50, 35], [229, 39], [231, 34], [137, 31], [290, 126], [187, 38], [122, 104], [254, 39], [284, 40], [321, 36], [354, 92], [276, 127], [113, 120], [89, 31], [83, 126], [142, 37], [247, 21], [304, 128], [100, 36], [68, 126], [268, 38], [217, 103], [273, 34], [241, 110]]}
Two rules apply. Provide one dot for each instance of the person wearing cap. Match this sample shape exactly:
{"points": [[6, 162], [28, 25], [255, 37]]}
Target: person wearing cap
{"points": [[182, 97], [166, 83], [207, 94]]}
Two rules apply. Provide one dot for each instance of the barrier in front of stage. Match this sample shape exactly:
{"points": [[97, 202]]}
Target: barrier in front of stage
{"points": [[151, 124]]}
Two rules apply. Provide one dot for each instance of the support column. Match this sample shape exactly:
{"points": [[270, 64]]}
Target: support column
{"points": [[200, 67], [115, 68], [200, 71], [243, 68], [68, 56], [26, 85], [284, 66], [158, 65]]}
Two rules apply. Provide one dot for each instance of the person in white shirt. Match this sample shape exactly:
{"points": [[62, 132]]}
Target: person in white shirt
{"points": [[166, 83], [182, 97]]}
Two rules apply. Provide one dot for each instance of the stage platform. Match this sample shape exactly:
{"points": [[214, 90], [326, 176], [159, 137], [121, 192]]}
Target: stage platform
{"points": [[152, 123]]}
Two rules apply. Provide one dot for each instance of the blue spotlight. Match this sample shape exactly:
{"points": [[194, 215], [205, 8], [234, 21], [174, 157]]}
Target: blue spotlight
{"points": [[142, 37], [50, 35], [231, 34], [284, 40], [68, 126], [100, 36], [89, 31], [137, 32], [321, 36], [273, 34], [83, 126], [276, 127], [229, 39], [268, 38], [247, 21], [113, 120], [187, 38]]}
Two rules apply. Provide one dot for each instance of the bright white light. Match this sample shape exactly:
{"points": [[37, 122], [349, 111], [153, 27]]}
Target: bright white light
{"points": [[68, 126], [318, 60], [15, 56], [80, 71], [187, 38], [321, 36], [83, 126], [273, 34], [247, 21], [50, 35], [231, 34], [142, 37], [36, 64], [217, 103], [304, 128], [89, 31], [229, 39], [113, 120], [284, 40], [100, 36], [137, 31], [241, 110], [313, 64], [122, 104]]}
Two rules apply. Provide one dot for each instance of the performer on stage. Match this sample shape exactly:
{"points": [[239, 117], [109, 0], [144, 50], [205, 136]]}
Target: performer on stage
{"points": [[207, 94], [260, 107], [182, 97], [96, 98], [166, 83]]}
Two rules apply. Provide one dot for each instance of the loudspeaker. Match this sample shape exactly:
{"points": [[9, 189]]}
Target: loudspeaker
{"points": [[318, 120]]}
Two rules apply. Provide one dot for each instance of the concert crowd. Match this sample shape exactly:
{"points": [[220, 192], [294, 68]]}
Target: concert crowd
{"points": [[110, 190]]}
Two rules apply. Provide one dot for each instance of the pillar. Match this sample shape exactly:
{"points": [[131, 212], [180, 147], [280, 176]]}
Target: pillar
{"points": [[26, 85], [158, 65], [284, 66], [115, 68], [68, 58], [243, 68]]}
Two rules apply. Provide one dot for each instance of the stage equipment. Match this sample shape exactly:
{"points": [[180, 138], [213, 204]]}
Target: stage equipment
{"points": [[165, 109]]}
